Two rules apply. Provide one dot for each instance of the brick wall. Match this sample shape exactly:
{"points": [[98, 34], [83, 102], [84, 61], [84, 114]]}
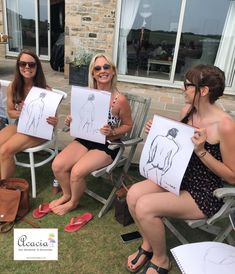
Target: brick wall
{"points": [[88, 25]]}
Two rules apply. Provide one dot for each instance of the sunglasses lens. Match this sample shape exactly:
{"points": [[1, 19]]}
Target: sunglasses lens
{"points": [[97, 68], [23, 64], [105, 67]]}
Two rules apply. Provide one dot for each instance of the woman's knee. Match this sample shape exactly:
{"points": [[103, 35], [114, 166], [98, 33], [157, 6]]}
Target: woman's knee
{"points": [[132, 196], [6, 151], [144, 210], [58, 165]]}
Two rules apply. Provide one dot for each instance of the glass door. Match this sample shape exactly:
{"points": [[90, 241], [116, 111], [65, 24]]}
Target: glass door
{"points": [[27, 23], [44, 29]]}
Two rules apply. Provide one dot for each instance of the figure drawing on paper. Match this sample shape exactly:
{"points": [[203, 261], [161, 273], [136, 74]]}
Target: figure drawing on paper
{"points": [[218, 258], [87, 114], [161, 154], [34, 111]]}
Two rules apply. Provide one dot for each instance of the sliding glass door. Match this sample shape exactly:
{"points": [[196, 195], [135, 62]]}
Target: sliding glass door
{"points": [[158, 40], [27, 23]]}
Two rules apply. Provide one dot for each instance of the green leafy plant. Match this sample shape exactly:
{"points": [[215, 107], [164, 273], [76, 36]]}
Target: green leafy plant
{"points": [[83, 57]]}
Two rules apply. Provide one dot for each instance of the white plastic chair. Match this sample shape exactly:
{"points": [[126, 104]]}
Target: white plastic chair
{"points": [[139, 109], [50, 147]]}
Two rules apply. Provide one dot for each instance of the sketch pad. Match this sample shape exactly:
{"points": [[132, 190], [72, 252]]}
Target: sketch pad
{"points": [[89, 111], [205, 258], [38, 106], [167, 152]]}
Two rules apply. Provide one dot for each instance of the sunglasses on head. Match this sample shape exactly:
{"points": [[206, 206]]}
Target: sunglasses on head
{"points": [[187, 85], [23, 64], [105, 67]]}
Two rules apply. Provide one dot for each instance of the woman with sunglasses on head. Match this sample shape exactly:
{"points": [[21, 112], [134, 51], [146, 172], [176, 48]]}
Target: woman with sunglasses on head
{"points": [[81, 157], [211, 164], [28, 73]]}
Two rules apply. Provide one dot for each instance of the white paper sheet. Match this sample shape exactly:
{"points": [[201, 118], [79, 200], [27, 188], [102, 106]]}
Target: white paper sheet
{"points": [[38, 106], [166, 153], [205, 258], [89, 111]]}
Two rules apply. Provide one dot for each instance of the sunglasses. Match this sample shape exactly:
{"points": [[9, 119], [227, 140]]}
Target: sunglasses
{"points": [[187, 85], [105, 67], [23, 64]]}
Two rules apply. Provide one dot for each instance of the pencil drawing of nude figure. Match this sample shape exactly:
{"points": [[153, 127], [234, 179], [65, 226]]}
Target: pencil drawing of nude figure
{"points": [[87, 114], [161, 154], [34, 111]]}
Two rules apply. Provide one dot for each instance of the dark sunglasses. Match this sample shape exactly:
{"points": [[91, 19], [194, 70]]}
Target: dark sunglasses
{"points": [[105, 67], [187, 85], [23, 64]]}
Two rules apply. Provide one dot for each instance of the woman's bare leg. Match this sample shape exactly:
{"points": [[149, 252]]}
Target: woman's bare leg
{"points": [[92, 160], [135, 192], [150, 208], [15, 142], [62, 166]]}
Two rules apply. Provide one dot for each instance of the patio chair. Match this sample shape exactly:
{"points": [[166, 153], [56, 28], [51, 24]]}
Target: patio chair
{"points": [[50, 147], [216, 224], [139, 107]]}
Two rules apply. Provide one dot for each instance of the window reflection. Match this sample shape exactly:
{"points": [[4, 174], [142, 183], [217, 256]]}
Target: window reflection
{"points": [[148, 30]]}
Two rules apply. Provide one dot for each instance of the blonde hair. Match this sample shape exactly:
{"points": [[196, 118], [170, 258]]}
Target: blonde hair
{"points": [[91, 81]]}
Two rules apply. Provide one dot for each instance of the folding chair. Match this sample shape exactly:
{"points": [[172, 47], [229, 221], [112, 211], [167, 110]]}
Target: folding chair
{"points": [[139, 107], [214, 225]]}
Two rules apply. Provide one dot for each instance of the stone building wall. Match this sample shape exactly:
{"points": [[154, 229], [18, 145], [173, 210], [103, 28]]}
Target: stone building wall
{"points": [[2, 47], [88, 25]]}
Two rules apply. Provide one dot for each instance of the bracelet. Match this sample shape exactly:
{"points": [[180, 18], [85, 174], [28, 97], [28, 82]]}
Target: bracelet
{"points": [[202, 154]]}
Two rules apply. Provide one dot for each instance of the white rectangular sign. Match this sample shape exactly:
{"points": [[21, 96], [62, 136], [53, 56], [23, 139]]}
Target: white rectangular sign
{"points": [[36, 244]]}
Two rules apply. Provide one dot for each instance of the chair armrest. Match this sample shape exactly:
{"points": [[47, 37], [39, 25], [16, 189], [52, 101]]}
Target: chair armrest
{"points": [[224, 192], [124, 143]]}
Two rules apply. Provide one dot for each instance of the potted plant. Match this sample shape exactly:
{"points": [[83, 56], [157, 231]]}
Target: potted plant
{"points": [[78, 69]]}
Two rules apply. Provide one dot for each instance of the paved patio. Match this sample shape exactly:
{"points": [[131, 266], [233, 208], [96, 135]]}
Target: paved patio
{"points": [[165, 101]]}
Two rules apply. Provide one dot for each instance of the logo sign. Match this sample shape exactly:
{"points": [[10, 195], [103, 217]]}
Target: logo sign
{"points": [[36, 244]]}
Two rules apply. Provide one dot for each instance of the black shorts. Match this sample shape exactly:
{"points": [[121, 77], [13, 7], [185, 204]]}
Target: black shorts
{"points": [[103, 147]]}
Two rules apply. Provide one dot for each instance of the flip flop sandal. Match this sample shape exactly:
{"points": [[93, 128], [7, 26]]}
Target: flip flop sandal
{"points": [[78, 222], [141, 251], [41, 211], [160, 270]]}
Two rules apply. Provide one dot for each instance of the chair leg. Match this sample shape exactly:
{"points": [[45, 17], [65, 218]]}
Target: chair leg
{"points": [[177, 234], [32, 168], [108, 203]]}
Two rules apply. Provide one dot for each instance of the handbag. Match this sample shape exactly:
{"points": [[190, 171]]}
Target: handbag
{"points": [[122, 214], [14, 201]]}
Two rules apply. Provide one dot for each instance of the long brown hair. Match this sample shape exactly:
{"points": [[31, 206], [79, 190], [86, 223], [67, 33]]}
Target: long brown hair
{"points": [[205, 75], [39, 79]]}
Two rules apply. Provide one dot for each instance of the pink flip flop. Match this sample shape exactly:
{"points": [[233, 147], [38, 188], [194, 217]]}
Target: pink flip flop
{"points": [[41, 211], [78, 222]]}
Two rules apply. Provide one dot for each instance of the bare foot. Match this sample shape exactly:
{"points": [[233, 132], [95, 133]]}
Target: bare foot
{"points": [[64, 208], [63, 199]]}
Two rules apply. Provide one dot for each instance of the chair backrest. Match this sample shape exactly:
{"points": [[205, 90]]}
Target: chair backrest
{"points": [[139, 109]]}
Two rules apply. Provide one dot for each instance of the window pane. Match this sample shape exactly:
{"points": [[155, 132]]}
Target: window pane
{"points": [[148, 31], [21, 24], [201, 34]]}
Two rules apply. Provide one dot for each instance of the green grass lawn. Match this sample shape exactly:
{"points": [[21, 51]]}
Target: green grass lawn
{"points": [[95, 249]]}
